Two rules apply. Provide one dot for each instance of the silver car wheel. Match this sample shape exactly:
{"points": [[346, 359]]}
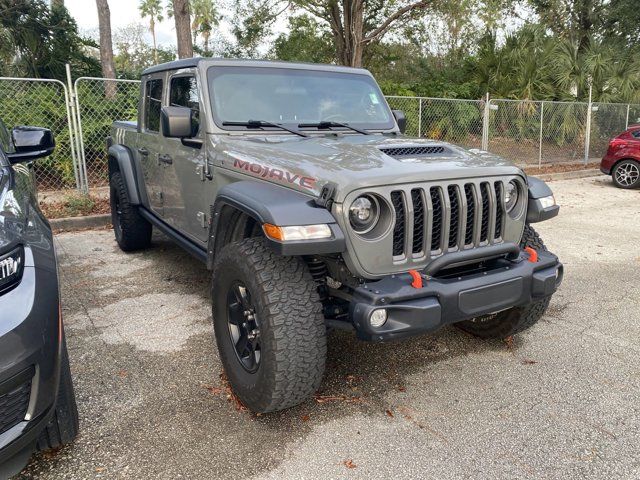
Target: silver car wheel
{"points": [[627, 174]]}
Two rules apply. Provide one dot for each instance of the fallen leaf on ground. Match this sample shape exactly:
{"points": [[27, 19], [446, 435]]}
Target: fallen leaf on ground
{"points": [[337, 398], [349, 464], [509, 342], [305, 418], [214, 390], [527, 361], [389, 413]]}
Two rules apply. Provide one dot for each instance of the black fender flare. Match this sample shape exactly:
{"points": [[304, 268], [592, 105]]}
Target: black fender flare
{"points": [[269, 203], [121, 159], [535, 211]]}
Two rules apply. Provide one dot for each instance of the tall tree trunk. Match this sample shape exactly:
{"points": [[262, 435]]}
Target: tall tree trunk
{"points": [[350, 35], [106, 48], [181, 16], [206, 43], [152, 27]]}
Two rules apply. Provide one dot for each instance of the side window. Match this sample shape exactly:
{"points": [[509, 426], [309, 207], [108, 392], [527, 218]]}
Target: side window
{"points": [[152, 105], [636, 133], [184, 93]]}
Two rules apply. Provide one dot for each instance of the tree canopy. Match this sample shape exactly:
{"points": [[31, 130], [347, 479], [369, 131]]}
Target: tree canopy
{"points": [[37, 40]]}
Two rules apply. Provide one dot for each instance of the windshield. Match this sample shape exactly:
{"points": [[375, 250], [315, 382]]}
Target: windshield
{"points": [[293, 97]]}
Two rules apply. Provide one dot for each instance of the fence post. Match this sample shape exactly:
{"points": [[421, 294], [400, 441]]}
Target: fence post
{"points": [[541, 126], [75, 157], [485, 124], [79, 171], [588, 132], [626, 127], [420, 118]]}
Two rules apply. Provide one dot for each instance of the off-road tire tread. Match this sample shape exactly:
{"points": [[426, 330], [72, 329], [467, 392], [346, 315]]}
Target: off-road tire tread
{"points": [[136, 230], [64, 425], [292, 324], [517, 319]]}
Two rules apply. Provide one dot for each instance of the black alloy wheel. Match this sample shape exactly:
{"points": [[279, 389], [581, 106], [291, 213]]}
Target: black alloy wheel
{"points": [[244, 328]]}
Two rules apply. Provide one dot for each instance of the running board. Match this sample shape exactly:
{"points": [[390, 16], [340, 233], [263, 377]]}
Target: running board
{"points": [[175, 236]]}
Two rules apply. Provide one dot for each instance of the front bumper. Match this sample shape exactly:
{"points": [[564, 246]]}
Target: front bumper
{"points": [[30, 352], [442, 301]]}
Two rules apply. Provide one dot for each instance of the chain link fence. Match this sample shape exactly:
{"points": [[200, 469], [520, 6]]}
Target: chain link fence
{"points": [[26, 101], [451, 120], [526, 132], [100, 102]]}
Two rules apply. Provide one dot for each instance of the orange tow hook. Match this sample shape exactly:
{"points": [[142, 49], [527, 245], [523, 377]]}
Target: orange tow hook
{"points": [[417, 279], [533, 255]]}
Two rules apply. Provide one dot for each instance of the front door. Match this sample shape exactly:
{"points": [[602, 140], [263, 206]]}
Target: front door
{"points": [[149, 141], [186, 202]]}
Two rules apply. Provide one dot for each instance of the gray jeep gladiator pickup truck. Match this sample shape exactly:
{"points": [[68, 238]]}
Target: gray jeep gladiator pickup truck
{"points": [[295, 185]]}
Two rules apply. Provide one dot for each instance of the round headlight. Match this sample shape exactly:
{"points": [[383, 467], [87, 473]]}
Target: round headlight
{"points": [[511, 192], [364, 213]]}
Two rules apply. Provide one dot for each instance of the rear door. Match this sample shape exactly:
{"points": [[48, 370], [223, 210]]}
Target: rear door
{"points": [[186, 203], [149, 140]]}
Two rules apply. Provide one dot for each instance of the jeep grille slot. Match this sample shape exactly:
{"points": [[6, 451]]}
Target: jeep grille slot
{"points": [[499, 209], [471, 214], [400, 225], [454, 221], [486, 198], [418, 221], [436, 224]]}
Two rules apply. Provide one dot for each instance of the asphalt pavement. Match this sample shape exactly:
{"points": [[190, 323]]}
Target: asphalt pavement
{"points": [[561, 401]]}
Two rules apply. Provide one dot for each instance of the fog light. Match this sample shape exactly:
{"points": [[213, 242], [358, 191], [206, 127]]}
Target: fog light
{"points": [[378, 317]]}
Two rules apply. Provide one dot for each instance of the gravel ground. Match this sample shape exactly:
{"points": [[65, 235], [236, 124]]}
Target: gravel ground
{"points": [[562, 401]]}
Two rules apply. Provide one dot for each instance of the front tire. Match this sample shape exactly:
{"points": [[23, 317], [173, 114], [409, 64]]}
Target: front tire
{"points": [[626, 174], [63, 426], [514, 320], [132, 231], [268, 324]]}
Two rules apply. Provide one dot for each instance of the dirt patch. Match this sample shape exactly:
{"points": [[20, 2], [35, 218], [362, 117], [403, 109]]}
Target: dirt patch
{"points": [[75, 205]]}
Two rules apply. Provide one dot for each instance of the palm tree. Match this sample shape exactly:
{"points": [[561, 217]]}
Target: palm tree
{"points": [[205, 17], [106, 47], [181, 16], [153, 10]]}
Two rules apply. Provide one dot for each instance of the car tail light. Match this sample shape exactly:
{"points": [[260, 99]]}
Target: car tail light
{"points": [[616, 144]]}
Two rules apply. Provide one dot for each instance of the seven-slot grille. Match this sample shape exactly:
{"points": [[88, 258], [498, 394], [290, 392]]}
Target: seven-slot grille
{"points": [[443, 218], [13, 406]]}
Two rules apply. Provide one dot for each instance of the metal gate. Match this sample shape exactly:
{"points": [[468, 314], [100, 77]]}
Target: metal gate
{"points": [[29, 101]]}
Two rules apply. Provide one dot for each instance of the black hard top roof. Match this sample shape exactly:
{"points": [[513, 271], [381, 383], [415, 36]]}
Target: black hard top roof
{"points": [[194, 62]]}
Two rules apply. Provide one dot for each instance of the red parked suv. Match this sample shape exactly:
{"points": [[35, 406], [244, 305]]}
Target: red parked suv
{"points": [[622, 160]]}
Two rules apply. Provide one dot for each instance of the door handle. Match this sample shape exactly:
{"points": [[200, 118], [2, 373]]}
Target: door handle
{"points": [[165, 159], [143, 151]]}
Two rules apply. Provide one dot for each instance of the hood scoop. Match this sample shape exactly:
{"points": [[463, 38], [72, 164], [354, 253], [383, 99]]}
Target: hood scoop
{"points": [[417, 151]]}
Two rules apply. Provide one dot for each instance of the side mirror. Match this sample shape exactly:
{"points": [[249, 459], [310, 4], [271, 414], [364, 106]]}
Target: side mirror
{"points": [[30, 143], [177, 122], [401, 120]]}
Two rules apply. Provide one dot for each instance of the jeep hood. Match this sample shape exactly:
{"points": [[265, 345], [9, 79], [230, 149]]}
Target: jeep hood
{"points": [[350, 161]]}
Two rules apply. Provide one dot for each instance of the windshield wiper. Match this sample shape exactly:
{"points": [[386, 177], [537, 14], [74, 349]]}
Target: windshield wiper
{"points": [[328, 124], [263, 123]]}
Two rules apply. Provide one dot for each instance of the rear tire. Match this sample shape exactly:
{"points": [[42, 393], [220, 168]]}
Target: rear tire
{"points": [[269, 326], [514, 320], [63, 426], [132, 231], [626, 174]]}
